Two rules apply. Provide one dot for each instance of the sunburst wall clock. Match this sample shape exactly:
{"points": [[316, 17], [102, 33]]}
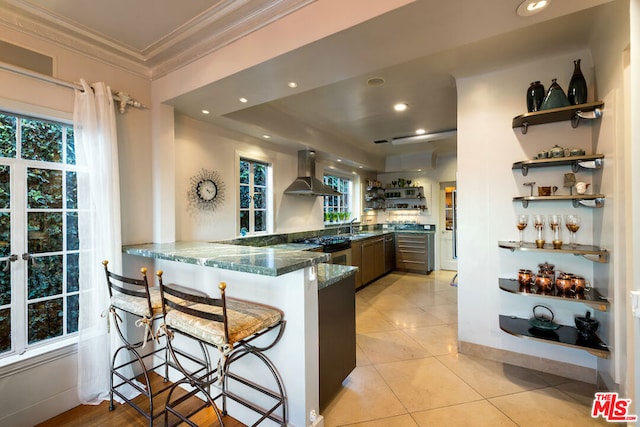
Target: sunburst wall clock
{"points": [[206, 191]]}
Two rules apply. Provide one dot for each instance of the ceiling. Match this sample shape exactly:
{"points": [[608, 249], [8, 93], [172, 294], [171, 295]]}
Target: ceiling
{"points": [[418, 50]]}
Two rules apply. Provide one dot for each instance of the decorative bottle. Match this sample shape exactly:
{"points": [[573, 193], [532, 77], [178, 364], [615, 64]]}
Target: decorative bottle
{"points": [[555, 97], [535, 96], [577, 93]]}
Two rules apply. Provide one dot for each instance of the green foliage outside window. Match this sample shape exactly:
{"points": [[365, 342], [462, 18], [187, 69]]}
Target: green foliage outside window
{"points": [[53, 241]]}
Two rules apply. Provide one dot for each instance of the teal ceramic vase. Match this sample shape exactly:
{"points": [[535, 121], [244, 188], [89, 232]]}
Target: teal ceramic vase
{"points": [[555, 97]]}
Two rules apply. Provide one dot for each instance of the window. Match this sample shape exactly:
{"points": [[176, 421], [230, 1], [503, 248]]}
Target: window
{"points": [[39, 244], [255, 197], [338, 208]]}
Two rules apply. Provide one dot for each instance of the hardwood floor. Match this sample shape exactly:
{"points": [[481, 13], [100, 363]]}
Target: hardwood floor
{"points": [[125, 415]]}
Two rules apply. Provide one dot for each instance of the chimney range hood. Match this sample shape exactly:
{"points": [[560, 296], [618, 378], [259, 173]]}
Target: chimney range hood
{"points": [[306, 184]]}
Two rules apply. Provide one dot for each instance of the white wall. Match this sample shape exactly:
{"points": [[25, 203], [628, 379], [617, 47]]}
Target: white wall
{"points": [[203, 145], [487, 147], [31, 395]]}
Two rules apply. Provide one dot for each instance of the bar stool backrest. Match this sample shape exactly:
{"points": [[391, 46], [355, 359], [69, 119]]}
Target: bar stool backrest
{"points": [[128, 286], [179, 298]]}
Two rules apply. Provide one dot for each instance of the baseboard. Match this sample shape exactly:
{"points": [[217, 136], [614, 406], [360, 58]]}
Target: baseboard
{"points": [[43, 410], [561, 369]]}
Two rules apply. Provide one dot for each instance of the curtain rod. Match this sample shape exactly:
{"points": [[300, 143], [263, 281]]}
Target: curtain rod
{"points": [[123, 99]]}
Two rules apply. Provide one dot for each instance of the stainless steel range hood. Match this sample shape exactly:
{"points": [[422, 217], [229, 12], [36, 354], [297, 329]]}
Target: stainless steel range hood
{"points": [[306, 184]]}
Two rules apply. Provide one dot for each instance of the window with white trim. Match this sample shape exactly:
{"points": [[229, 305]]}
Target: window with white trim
{"points": [[338, 209], [39, 242], [255, 197]]}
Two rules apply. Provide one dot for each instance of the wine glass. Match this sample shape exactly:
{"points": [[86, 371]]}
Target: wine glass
{"points": [[554, 223], [538, 223], [573, 224], [408, 183], [521, 222]]}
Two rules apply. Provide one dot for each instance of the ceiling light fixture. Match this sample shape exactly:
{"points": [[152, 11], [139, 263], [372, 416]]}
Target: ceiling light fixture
{"points": [[266, 136], [339, 160], [205, 112], [435, 136], [401, 106], [292, 84], [244, 100], [420, 131], [531, 7], [375, 81]]}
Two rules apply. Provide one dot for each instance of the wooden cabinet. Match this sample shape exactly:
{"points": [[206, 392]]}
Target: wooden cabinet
{"points": [[372, 259], [412, 252], [336, 337]]}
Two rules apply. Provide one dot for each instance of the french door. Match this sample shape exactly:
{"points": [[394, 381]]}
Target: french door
{"points": [[39, 244]]}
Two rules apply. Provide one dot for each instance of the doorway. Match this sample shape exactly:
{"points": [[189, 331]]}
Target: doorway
{"points": [[448, 226]]}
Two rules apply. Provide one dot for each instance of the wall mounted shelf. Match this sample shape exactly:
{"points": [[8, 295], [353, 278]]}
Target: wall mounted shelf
{"points": [[592, 298], [593, 161], [589, 200], [592, 253], [589, 110], [567, 336]]}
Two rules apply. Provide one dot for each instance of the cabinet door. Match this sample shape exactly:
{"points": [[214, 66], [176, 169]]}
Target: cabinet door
{"points": [[356, 260], [372, 259]]}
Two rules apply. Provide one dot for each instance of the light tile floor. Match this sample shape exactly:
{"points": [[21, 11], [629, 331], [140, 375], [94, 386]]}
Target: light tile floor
{"points": [[409, 373]]}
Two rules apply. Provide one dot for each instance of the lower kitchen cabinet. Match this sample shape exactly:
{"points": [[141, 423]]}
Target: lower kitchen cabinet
{"points": [[372, 259], [337, 336], [412, 252]]}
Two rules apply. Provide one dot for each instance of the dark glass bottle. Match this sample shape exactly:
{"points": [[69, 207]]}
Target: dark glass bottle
{"points": [[577, 92], [535, 96]]}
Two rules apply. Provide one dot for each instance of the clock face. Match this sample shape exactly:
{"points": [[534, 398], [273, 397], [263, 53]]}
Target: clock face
{"points": [[207, 190]]}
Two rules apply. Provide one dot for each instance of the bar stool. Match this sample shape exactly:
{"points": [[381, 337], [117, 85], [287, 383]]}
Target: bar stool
{"points": [[136, 298], [230, 326]]}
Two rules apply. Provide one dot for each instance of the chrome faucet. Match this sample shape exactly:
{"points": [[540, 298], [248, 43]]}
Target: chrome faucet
{"points": [[351, 225]]}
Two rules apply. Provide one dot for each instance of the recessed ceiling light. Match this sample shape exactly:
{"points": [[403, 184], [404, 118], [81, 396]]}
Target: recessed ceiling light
{"points": [[401, 106], [420, 131], [360, 167], [339, 160], [292, 84], [266, 136], [244, 100], [205, 112], [531, 7]]}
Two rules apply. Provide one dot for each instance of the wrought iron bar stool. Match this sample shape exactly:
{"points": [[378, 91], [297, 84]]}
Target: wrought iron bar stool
{"points": [[230, 326], [135, 297]]}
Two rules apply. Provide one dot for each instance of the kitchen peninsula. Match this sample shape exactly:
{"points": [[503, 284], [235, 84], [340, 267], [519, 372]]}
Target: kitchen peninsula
{"points": [[288, 279]]}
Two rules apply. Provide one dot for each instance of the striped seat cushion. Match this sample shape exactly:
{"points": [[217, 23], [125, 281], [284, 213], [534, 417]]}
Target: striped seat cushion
{"points": [[138, 305], [243, 318]]}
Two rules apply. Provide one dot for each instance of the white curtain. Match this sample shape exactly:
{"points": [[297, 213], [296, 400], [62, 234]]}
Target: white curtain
{"points": [[99, 230]]}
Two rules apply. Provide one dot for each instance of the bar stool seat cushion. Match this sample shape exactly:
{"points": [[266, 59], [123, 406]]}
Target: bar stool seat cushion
{"points": [[243, 319], [138, 305]]}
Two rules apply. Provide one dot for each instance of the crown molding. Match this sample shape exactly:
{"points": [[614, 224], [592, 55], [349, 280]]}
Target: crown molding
{"points": [[222, 24]]}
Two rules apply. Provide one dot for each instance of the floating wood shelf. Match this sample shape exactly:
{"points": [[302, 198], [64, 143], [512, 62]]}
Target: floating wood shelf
{"points": [[593, 161], [577, 199], [592, 298], [572, 112], [592, 253]]}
